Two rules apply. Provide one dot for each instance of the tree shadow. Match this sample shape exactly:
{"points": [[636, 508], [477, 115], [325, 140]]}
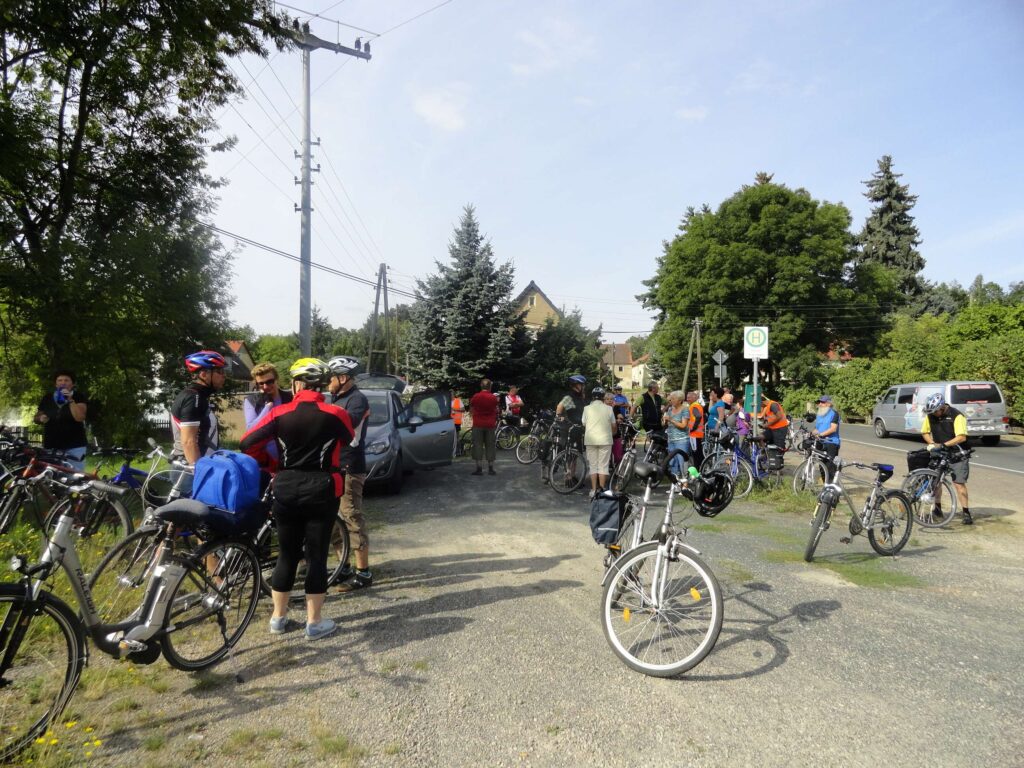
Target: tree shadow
{"points": [[752, 636]]}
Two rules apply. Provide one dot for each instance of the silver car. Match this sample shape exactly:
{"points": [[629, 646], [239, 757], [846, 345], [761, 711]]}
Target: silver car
{"points": [[401, 437], [981, 402]]}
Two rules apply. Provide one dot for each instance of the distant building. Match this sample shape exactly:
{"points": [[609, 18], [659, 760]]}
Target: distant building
{"points": [[538, 308], [618, 358], [642, 375]]}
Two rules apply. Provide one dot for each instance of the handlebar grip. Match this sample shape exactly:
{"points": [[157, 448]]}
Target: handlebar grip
{"points": [[113, 490]]}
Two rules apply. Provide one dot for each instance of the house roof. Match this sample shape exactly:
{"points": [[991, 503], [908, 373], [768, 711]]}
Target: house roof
{"points": [[617, 354], [533, 287]]}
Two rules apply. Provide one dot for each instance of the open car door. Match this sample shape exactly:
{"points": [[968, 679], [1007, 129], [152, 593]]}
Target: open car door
{"points": [[427, 431]]}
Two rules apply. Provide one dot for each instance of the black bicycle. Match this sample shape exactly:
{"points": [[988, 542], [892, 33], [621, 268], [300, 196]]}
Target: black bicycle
{"points": [[928, 486]]}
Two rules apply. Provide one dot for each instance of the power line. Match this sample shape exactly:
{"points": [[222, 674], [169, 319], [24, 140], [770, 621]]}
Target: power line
{"points": [[417, 16]]}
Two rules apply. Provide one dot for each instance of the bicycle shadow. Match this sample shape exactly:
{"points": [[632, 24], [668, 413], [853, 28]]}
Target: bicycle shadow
{"points": [[751, 638], [445, 570], [856, 558]]}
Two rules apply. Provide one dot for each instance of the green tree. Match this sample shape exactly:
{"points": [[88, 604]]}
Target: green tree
{"points": [[768, 255], [465, 324], [559, 351], [939, 299], [890, 237], [982, 292], [105, 113]]}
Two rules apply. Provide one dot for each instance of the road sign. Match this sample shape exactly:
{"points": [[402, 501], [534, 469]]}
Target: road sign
{"points": [[720, 357], [755, 342], [720, 373]]}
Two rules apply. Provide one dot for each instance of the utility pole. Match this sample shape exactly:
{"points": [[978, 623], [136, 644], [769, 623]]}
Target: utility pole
{"points": [[373, 328], [382, 290], [308, 43], [700, 365]]}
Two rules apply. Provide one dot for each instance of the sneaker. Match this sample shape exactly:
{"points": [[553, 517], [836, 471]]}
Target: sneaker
{"points": [[322, 628], [477, 471], [278, 626], [490, 471], [358, 580], [968, 520]]}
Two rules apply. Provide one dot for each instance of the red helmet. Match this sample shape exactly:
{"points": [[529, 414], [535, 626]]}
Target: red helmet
{"points": [[204, 358]]}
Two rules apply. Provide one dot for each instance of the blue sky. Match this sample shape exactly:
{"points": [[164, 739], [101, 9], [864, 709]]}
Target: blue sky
{"points": [[581, 131]]}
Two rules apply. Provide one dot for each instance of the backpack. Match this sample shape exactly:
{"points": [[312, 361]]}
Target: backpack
{"points": [[606, 512], [227, 480]]}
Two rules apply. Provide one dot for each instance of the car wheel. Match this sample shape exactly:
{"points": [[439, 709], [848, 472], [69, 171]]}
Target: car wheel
{"points": [[880, 430], [394, 484]]}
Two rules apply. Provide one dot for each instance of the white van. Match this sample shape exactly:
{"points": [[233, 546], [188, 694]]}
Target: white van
{"points": [[981, 402]]}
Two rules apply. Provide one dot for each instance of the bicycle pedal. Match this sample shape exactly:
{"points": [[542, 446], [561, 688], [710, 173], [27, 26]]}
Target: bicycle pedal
{"points": [[132, 646]]}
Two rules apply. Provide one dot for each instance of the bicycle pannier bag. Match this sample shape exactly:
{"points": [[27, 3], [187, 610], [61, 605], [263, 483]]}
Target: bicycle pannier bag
{"points": [[774, 458], [227, 480], [918, 459], [606, 512]]}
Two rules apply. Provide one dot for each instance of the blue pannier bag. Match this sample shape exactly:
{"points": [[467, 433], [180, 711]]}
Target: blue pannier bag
{"points": [[227, 480], [606, 512]]}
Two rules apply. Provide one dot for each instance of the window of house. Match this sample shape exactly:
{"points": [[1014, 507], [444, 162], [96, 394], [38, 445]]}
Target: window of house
{"points": [[620, 369], [533, 301]]}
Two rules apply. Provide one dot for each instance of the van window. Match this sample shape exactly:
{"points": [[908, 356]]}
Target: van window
{"points": [[974, 393], [906, 396], [890, 397]]}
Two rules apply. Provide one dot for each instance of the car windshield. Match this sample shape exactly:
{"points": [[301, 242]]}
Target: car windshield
{"points": [[975, 393], [378, 408]]}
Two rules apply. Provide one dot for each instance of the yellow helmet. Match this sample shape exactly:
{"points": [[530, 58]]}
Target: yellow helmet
{"points": [[309, 370]]}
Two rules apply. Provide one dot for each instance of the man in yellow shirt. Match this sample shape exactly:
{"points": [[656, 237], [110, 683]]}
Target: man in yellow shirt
{"points": [[945, 427]]}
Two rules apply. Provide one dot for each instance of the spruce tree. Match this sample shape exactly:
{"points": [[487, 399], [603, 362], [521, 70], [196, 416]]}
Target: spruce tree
{"points": [[465, 325], [890, 237]]}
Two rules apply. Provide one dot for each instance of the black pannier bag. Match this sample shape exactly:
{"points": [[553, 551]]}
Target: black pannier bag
{"points": [[918, 459], [774, 456], [606, 512]]}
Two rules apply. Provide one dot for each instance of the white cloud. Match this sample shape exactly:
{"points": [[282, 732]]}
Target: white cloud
{"points": [[692, 114], [443, 108], [557, 43]]}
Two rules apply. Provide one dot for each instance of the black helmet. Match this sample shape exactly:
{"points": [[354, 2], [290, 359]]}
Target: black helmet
{"points": [[597, 393], [712, 493], [343, 365]]}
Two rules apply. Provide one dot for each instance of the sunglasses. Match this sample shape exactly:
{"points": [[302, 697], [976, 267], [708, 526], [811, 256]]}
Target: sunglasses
{"points": [[266, 382]]}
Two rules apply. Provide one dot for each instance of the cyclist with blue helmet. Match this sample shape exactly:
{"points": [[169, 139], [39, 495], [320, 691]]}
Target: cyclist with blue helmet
{"points": [[945, 427], [193, 425]]}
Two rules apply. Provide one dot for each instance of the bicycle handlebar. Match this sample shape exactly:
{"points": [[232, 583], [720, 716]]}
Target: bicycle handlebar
{"points": [[113, 490]]}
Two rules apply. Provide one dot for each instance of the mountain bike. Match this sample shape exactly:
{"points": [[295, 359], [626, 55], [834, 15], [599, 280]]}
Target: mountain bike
{"points": [[191, 613], [529, 448], [930, 490], [811, 473], [661, 608], [569, 467], [506, 436], [886, 515]]}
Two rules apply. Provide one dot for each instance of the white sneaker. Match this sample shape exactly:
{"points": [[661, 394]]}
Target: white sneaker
{"points": [[278, 626], [322, 628]]}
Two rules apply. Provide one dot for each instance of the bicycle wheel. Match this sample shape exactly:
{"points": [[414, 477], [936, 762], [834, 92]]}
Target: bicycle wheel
{"points": [[892, 522], [118, 584], [568, 471], [933, 503], [337, 557], [819, 524], [624, 472], [677, 634], [740, 472], [506, 437], [211, 606], [43, 670], [98, 525], [528, 450], [811, 476]]}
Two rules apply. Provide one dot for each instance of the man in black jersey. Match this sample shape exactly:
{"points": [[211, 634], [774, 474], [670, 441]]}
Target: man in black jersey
{"points": [[193, 425]]}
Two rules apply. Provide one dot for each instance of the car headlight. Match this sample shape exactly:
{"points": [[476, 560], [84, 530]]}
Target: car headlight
{"points": [[379, 446]]}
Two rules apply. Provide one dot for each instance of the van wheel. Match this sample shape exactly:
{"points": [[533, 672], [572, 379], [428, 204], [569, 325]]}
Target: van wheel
{"points": [[394, 484], [990, 440], [880, 430]]}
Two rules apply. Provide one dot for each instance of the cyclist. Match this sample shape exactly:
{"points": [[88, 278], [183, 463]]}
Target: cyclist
{"points": [[193, 425], [677, 420], [345, 394], [695, 426], [484, 409], [599, 425], [776, 423], [62, 414], [651, 408], [569, 412], [945, 426], [268, 394], [621, 404], [716, 408], [513, 402], [826, 429], [310, 435]]}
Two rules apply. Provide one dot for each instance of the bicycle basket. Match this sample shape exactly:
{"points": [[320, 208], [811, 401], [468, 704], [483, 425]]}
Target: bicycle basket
{"points": [[918, 459]]}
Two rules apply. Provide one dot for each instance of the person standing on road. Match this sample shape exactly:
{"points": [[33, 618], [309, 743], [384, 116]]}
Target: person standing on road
{"points": [[621, 405], [716, 409], [677, 419], [268, 394], [310, 435], [776, 423], [484, 409], [598, 434], [695, 427], [352, 462], [651, 408], [826, 429], [193, 424], [945, 427], [62, 413], [513, 402]]}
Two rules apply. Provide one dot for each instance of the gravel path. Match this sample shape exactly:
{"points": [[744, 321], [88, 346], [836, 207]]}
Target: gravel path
{"points": [[480, 645]]}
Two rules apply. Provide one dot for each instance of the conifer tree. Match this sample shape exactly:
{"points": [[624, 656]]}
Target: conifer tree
{"points": [[890, 237]]}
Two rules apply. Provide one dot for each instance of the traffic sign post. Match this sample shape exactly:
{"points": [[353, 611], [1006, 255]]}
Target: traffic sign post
{"points": [[755, 347], [720, 373]]}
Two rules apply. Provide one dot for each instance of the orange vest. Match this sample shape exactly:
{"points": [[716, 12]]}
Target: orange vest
{"points": [[696, 423], [771, 421], [457, 411]]}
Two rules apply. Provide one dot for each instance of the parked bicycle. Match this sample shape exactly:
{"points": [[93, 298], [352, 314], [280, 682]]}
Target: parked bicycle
{"points": [[529, 448], [928, 485], [812, 473], [886, 515], [509, 431], [623, 472], [745, 460], [662, 606], [569, 467], [190, 612]]}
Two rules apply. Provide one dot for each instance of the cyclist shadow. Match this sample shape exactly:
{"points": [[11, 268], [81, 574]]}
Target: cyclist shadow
{"points": [[855, 558], [751, 636], [446, 570]]}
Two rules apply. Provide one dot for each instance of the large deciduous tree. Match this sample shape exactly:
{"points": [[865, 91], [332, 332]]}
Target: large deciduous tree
{"points": [[465, 324], [890, 237], [105, 113], [769, 255]]}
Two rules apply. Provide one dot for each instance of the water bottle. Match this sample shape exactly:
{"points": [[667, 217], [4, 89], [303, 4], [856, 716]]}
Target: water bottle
{"points": [[692, 472]]}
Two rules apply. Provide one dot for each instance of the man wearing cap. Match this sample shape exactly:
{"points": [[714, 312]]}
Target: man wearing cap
{"points": [[826, 429], [621, 405]]}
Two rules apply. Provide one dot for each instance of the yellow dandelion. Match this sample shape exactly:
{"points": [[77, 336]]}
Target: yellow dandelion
{"points": [[71, 724], [40, 740], [88, 754], [52, 742], [89, 729], [97, 743]]}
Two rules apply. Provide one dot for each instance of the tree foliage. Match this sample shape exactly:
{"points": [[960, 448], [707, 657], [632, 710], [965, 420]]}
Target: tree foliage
{"points": [[465, 324], [890, 237], [559, 351], [105, 110]]}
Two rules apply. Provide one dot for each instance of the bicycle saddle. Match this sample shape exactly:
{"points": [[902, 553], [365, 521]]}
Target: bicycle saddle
{"points": [[884, 471], [644, 470], [189, 513]]}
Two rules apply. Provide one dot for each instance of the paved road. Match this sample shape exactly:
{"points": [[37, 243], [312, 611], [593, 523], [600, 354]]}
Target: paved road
{"points": [[480, 645], [1007, 456]]}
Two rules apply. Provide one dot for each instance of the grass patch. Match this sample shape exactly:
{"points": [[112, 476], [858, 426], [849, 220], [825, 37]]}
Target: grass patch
{"points": [[708, 528], [861, 569], [733, 571], [206, 681], [421, 665], [339, 748], [154, 742], [393, 749], [388, 666], [782, 499], [553, 730]]}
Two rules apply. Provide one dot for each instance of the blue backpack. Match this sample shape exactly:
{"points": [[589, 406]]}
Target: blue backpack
{"points": [[227, 480]]}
